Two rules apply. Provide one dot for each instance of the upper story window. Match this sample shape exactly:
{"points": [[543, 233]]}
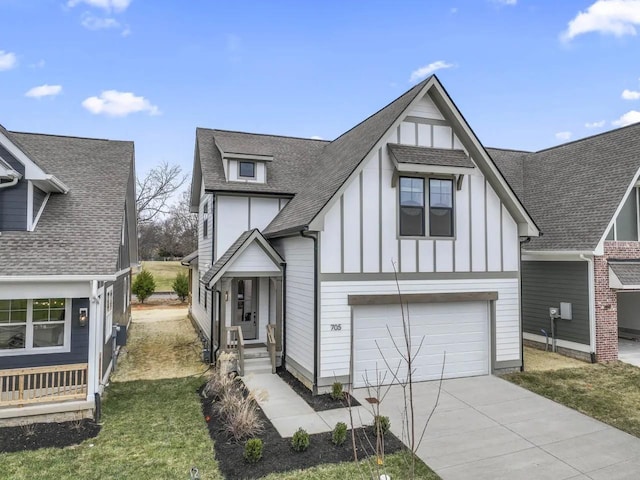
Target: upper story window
{"points": [[246, 169], [626, 226], [413, 220]]}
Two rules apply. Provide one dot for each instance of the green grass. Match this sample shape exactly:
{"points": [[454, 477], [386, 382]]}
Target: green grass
{"points": [[152, 430], [164, 273], [607, 392]]}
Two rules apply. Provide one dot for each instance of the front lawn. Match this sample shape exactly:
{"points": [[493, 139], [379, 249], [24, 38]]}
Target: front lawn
{"points": [[607, 392], [164, 273]]}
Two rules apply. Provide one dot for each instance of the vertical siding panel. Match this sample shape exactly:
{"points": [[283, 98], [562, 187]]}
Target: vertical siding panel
{"points": [[444, 256], [441, 136], [510, 242], [233, 219], [389, 205], [462, 243], [408, 255], [425, 256], [351, 227], [494, 234], [330, 241], [408, 133], [478, 258], [424, 135], [371, 216]]}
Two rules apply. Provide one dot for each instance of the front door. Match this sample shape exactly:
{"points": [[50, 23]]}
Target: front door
{"points": [[246, 307]]}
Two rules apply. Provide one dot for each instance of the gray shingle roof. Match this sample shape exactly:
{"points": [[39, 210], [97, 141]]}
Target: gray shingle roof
{"points": [[429, 156], [224, 259], [78, 233], [573, 190], [628, 272], [189, 258]]}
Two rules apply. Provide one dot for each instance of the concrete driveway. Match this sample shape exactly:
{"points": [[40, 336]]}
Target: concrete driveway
{"points": [[488, 428], [629, 351]]}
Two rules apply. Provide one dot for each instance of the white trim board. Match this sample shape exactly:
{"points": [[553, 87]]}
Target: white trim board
{"points": [[579, 347]]}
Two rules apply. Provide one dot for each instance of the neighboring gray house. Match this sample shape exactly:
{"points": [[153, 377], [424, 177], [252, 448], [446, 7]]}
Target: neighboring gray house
{"points": [[584, 196], [68, 240], [299, 239]]}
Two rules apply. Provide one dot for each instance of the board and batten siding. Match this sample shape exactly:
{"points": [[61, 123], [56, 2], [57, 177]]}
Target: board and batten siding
{"points": [[13, 200], [300, 288], [335, 353], [546, 284], [205, 260], [360, 233]]}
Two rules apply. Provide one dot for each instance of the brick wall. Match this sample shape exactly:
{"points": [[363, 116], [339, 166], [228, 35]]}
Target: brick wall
{"points": [[607, 300]]}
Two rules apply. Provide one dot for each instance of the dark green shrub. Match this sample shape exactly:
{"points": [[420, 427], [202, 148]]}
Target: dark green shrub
{"points": [[339, 434], [253, 450], [381, 424], [337, 393], [180, 286], [143, 285], [300, 441]]}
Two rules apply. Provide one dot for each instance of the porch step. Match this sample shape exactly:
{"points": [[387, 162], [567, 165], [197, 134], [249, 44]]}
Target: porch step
{"points": [[257, 365], [259, 352]]}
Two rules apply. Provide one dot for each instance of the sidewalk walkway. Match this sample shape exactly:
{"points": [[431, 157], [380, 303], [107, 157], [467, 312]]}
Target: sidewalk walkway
{"points": [[288, 412]]}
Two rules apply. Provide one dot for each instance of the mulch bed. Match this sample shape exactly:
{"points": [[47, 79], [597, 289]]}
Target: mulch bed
{"points": [[319, 403], [277, 454], [46, 435]]}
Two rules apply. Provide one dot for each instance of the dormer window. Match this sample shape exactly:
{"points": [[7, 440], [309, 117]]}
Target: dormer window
{"points": [[246, 169]]}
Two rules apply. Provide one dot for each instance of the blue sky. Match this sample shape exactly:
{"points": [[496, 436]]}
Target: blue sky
{"points": [[526, 74]]}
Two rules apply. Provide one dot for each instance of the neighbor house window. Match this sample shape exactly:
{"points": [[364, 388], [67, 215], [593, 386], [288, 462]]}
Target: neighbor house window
{"points": [[247, 169], [205, 228], [108, 317], [40, 325], [440, 207], [411, 206]]}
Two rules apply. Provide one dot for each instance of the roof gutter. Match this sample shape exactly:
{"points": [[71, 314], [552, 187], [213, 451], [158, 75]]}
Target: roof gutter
{"points": [[56, 278], [316, 317]]}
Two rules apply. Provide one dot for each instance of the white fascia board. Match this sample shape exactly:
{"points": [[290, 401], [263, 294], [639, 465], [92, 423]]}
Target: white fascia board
{"points": [[317, 223], [248, 156], [438, 169], [504, 192], [50, 184], [56, 278], [32, 170], [632, 185], [555, 255]]}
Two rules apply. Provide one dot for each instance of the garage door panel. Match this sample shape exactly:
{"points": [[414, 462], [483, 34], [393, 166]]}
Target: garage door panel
{"points": [[459, 329]]}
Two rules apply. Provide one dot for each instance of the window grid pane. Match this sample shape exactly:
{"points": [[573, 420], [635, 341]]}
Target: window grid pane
{"points": [[247, 169]]}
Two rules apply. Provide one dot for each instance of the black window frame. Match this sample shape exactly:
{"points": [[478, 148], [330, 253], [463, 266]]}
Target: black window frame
{"points": [[246, 162], [401, 227], [205, 228], [450, 209]]}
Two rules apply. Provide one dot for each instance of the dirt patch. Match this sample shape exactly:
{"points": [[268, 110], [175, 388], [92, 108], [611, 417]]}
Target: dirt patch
{"points": [[319, 403], [152, 306], [46, 435], [539, 361], [278, 456], [161, 344]]}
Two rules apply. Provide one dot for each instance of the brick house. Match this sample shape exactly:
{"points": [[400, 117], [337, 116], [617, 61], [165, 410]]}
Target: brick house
{"points": [[584, 196]]}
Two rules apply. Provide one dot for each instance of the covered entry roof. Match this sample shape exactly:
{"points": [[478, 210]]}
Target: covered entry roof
{"points": [[250, 255], [624, 274]]}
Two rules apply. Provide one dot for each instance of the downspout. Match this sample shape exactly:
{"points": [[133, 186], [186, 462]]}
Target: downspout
{"points": [[305, 234], [592, 305], [214, 354], [284, 315], [522, 242], [211, 323]]}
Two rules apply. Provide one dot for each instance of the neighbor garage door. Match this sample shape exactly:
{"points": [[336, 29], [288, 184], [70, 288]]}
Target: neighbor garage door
{"points": [[461, 329]]}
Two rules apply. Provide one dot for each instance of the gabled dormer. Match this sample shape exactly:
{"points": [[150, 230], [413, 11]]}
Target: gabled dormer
{"points": [[24, 187]]}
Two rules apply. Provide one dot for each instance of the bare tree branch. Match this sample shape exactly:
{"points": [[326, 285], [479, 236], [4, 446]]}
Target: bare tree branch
{"points": [[155, 190]]}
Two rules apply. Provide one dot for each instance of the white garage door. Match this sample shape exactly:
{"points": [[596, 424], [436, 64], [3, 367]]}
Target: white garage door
{"points": [[460, 329]]}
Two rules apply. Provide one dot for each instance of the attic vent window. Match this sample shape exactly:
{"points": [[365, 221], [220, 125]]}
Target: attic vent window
{"points": [[247, 170]]}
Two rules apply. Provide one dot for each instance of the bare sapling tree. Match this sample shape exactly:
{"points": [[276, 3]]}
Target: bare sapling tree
{"points": [[155, 190], [407, 349]]}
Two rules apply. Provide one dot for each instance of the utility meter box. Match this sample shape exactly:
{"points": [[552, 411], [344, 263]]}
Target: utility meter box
{"points": [[554, 312], [565, 311], [121, 336]]}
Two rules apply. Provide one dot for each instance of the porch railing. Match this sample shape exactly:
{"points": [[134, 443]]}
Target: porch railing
{"points": [[235, 344], [271, 345], [25, 386]]}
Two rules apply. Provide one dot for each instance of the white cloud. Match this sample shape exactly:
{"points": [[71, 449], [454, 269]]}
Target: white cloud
{"points": [[316, 137], [630, 95], [424, 72], [632, 116], [38, 64], [44, 91], [8, 60], [598, 124], [126, 31], [453, 10], [107, 5], [119, 104], [614, 17], [91, 22], [506, 2], [563, 136]]}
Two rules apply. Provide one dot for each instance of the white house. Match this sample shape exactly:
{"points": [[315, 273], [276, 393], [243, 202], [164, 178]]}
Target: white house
{"points": [[305, 238]]}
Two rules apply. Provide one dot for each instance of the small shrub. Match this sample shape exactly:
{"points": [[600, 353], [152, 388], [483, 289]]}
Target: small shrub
{"points": [[180, 286], [381, 424], [240, 415], [300, 441], [339, 434], [253, 450], [337, 393], [144, 285]]}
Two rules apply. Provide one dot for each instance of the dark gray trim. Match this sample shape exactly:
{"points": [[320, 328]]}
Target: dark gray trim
{"points": [[507, 364], [501, 240], [470, 229], [361, 225], [426, 121], [380, 210], [341, 233], [417, 132], [492, 335], [300, 370], [346, 277], [486, 234], [394, 299], [249, 214]]}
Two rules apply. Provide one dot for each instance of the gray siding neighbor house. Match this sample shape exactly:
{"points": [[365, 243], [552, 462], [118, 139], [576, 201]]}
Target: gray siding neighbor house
{"points": [[68, 241], [584, 196], [300, 242]]}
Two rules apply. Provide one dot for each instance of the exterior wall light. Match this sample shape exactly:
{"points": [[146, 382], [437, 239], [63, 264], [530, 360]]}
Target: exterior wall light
{"points": [[84, 317]]}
